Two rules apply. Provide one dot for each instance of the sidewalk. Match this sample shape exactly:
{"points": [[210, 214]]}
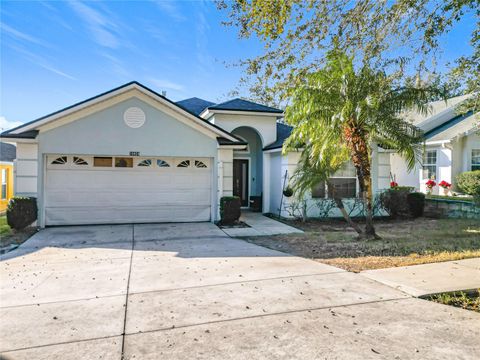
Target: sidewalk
{"points": [[260, 225], [426, 279]]}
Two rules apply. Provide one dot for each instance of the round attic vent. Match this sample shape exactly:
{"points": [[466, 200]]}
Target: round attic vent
{"points": [[134, 117]]}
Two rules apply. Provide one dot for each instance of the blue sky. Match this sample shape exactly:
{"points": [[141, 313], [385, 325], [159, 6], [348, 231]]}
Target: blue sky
{"points": [[56, 53]]}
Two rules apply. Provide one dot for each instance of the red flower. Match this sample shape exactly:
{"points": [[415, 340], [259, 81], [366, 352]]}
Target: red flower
{"points": [[444, 184], [430, 184], [393, 184]]}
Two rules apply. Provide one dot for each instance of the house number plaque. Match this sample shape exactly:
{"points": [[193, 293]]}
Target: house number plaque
{"points": [[134, 153]]}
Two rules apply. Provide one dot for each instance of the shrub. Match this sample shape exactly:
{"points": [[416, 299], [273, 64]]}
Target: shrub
{"points": [[416, 203], [394, 201], [469, 182], [21, 212], [229, 209]]}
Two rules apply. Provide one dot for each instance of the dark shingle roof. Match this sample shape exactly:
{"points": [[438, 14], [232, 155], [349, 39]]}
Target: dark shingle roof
{"points": [[244, 105], [8, 152], [194, 105], [32, 134], [283, 132]]}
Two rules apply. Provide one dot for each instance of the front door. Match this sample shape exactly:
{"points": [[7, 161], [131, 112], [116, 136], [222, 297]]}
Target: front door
{"points": [[240, 180]]}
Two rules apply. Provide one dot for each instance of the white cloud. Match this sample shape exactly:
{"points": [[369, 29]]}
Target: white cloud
{"points": [[8, 124], [101, 27], [18, 35], [166, 84], [170, 8]]}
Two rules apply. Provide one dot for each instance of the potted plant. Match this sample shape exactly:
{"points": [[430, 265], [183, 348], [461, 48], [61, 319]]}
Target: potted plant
{"points": [[393, 184], [445, 186], [430, 184]]}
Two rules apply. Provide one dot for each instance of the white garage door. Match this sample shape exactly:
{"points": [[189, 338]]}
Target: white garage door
{"points": [[102, 190]]}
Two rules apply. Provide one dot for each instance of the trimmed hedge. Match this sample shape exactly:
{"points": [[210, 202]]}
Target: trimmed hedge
{"points": [[21, 212], [416, 203], [230, 209]]}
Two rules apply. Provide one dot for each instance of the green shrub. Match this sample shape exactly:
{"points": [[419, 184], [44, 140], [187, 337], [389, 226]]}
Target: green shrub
{"points": [[394, 201], [21, 212], [229, 209], [416, 203], [469, 182]]}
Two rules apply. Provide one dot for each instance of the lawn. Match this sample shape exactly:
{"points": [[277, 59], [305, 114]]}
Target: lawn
{"points": [[9, 237], [404, 242], [464, 300]]}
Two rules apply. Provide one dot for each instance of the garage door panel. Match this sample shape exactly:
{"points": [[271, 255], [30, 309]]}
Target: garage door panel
{"points": [[92, 196], [119, 215]]}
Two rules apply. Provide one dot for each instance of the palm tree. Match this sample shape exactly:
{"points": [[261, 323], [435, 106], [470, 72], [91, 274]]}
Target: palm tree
{"points": [[339, 113]]}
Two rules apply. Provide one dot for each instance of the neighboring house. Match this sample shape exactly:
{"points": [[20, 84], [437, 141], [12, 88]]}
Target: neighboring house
{"points": [[130, 155], [452, 146], [7, 157]]}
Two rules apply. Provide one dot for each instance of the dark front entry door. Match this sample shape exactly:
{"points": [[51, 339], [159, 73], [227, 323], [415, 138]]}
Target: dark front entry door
{"points": [[240, 180]]}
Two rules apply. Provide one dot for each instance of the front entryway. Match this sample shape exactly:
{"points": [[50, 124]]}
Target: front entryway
{"points": [[240, 180]]}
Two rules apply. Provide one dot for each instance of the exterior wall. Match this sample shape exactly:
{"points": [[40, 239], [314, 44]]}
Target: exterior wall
{"points": [[8, 168], [26, 170], [470, 142], [255, 157], [452, 159], [274, 182], [266, 126]]}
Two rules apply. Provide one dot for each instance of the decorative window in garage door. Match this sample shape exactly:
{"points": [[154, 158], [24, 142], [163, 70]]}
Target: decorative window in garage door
{"points": [[62, 160], [184, 164], [79, 161], [162, 163], [146, 162], [200, 164]]}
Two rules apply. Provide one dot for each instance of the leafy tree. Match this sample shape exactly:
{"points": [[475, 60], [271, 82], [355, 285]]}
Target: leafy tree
{"points": [[339, 113], [398, 36]]}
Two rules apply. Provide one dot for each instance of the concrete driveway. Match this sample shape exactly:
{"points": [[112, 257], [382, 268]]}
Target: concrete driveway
{"points": [[187, 291]]}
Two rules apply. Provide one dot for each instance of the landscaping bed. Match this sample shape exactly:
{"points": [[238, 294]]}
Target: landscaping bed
{"points": [[10, 239], [469, 300], [404, 242]]}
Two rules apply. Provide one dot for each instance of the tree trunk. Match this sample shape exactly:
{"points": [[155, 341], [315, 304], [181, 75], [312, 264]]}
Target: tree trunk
{"points": [[347, 217], [360, 151]]}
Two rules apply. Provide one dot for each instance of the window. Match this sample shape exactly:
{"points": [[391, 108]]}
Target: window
{"points": [[123, 162], [475, 159], [318, 191], [344, 187], [184, 164], [79, 161], [4, 183], [60, 160], [102, 161], [162, 163], [200, 164], [146, 162], [429, 169]]}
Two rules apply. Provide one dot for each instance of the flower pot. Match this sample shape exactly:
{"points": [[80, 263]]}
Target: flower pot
{"points": [[446, 191]]}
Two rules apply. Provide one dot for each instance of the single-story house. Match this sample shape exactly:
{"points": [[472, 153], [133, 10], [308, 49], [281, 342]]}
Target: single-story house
{"points": [[132, 155], [7, 156], [452, 146]]}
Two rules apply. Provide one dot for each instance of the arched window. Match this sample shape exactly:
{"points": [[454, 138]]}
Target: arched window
{"points": [[79, 161], [146, 162], [184, 164], [162, 163], [62, 160], [200, 164]]}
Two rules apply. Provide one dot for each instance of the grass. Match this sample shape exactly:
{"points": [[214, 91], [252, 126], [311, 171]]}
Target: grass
{"points": [[4, 228], [464, 300], [404, 242], [8, 236]]}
